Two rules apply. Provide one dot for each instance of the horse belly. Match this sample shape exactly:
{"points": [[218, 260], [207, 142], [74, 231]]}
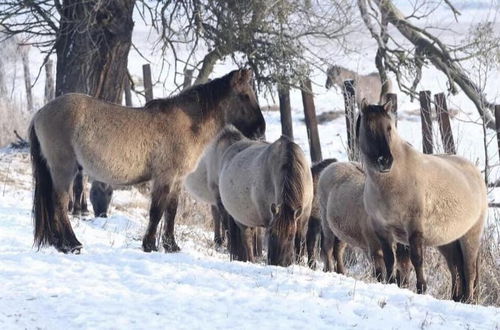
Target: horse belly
{"points": [[106, 167]]}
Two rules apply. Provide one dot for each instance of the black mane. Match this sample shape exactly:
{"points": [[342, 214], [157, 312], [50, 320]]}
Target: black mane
{"points": [[207, 95]]}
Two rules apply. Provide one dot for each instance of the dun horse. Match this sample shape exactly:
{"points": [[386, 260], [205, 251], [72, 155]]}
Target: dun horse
{"points": [[261, 185], [367, 86], [123, 146], [203, 184], [422, 200], [344, 221], [314, 233]]}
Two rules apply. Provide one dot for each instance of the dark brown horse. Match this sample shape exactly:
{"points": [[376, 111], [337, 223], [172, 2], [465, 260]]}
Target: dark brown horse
{"points": [[123, 146]]}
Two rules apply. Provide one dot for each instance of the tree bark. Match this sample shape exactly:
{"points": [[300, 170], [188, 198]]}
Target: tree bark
{"points": [[49, 81], [207, 67], [92, 47], [438, 57]]}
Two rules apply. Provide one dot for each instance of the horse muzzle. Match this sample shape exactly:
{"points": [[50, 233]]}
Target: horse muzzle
{"points": [[384, 164]]}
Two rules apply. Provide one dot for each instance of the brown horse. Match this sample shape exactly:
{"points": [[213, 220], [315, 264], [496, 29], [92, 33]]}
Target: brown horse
{"points": [[345, 221], [123, 146], [422, 200]]}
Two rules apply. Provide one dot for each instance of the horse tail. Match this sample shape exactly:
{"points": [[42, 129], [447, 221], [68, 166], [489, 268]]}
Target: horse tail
{"points": [[293, 170], [43, 209], [234, 242]]}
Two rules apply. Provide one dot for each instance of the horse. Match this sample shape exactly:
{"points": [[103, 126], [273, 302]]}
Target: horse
{"points": [[345, 221], [123, 146], [422, 200], [263, 185], [203, 185], [368, 86], [314, 233]]}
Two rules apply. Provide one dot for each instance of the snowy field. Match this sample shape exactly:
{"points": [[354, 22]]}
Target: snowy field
{"points": [[114, 285]]}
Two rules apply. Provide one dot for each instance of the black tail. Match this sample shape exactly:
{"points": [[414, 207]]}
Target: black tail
{"points": [[43, 206], [234, 242]]}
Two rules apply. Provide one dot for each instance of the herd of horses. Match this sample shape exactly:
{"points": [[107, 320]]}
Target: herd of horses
{"points": [[209, 138]]}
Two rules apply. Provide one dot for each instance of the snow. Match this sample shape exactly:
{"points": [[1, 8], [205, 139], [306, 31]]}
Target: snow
{"points": [[113, 284]]}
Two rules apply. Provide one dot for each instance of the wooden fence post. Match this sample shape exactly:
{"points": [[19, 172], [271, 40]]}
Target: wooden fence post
{"points": [[49, 81], [127, 91], [285, 110], [311, 121], [444, 123], [350, 119], [497, 123], [148, 83], [426, 120], [188, 79], [394, 105]]}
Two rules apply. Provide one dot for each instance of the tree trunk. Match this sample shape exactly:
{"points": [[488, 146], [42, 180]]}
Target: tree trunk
{"points": [[49, 81], [92, 47], [207, 67], [27, 76]]}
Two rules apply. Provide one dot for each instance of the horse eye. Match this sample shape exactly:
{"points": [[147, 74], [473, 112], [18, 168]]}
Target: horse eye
{"points": [[389, 128], [245, 97]]}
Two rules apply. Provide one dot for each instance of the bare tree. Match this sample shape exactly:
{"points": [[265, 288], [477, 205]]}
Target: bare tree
{"points": [[407, 62], [90, 38], [278, 39]]}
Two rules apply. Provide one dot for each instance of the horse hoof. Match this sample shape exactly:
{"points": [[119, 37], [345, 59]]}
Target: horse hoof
{"points": [[149, 247], [171, 246]]}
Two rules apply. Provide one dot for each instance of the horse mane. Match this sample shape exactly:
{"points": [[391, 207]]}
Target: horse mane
{"points": [[292, 193], [206, 95], [229, 134], [318, 167]]}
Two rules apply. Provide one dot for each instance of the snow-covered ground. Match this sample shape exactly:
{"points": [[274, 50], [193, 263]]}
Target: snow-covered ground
{"points": [[113, 284]]}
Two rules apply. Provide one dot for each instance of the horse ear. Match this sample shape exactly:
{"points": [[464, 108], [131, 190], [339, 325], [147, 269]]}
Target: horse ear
{"points": [[247, 75], [297, 213], [388, 106], [241, 77], [364, 106], [275, 209]]}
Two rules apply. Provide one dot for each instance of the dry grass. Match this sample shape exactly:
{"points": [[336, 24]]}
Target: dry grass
{"points": [[436, 271], [11, 118]]}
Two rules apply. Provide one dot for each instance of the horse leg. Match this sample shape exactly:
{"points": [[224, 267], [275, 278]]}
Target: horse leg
{"points": [[470, 244], [403, 265], [168, 238], [158, 206], [218, 234], [327, 243], [377, 256], [417, 259], [258, 242], [247, 235], [63, 237], [77, 192], [338, 250], [388, 252], [453, 255], [312, 239]]}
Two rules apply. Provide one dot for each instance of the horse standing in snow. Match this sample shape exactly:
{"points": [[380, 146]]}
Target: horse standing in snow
{"points": [[265, 185], [160, 143], [345, 221], [368, 86], [422, 200]]}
